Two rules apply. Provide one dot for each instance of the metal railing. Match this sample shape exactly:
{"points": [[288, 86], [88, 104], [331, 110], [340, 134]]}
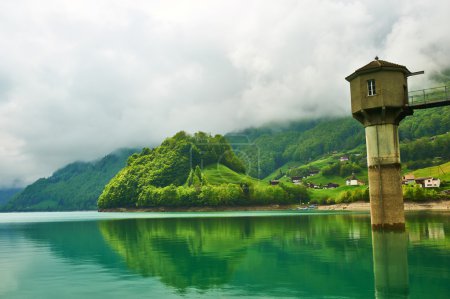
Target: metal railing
{"points": [[429, 96]]}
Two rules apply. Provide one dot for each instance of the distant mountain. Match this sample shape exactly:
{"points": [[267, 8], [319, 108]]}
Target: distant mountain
{"points": [[76, 186], [7, 194], [265, 149]]}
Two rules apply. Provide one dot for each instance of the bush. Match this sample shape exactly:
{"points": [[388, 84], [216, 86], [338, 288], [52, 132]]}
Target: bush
{"points": [[353, 195], [417, 193], [323, 200], [221, 195]]}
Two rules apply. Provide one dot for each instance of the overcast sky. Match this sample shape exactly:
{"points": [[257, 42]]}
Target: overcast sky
{"points": [[79, 79]]}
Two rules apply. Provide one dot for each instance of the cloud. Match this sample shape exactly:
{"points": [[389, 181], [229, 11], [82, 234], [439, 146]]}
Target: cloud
{"points": [[80, 79]]}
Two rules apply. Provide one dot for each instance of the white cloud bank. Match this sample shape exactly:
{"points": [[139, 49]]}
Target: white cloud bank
{"points": [[79, 79]]}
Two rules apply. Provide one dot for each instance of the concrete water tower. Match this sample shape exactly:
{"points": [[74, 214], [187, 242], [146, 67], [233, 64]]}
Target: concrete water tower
{"points": [[379, 97]]}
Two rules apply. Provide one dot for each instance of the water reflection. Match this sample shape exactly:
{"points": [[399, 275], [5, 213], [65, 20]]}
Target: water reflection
{"points": [[182, 253], [390, 264], [429, 228], [75, 242], [298, 253], [314, 256]]}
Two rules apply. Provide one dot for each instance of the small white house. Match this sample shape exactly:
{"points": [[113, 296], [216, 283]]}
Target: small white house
{"points": [[353, 181], [350, 182], [296, 180], [429, 182]]}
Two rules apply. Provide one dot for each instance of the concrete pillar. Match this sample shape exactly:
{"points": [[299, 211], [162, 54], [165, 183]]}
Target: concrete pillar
{"points": [[383, 160], [390, 264]]}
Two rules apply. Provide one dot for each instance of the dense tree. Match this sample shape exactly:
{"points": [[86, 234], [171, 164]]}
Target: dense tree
{"points": [[155, 177], [216, 195], [418, 193], [424, 151]]}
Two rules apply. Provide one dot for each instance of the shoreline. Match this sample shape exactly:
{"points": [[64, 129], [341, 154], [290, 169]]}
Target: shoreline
{"points": [[443, 205], [205, 209]]}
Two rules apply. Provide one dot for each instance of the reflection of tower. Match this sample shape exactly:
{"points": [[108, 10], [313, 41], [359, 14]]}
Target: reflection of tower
{"points": [[379, 98], [390, 264]]}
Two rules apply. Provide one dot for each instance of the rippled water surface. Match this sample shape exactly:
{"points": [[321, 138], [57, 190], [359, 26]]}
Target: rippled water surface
{"points": [[221, 255]]}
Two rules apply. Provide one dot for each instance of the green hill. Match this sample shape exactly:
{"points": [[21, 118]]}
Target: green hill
{"points": [[170, 175], [73, 187], [169, 164]]}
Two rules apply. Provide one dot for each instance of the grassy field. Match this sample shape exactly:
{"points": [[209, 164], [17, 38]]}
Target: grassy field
{"points": [[316, 164], [219, 174], [321, 179], [441, 171], [283, 168], [317, 194]]}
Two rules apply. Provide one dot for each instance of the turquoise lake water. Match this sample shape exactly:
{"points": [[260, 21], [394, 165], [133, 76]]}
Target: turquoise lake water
{"points": [[221, 255]]}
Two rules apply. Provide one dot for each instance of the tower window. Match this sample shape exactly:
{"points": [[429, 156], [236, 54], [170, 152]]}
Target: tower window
{"points": [[371, 87]]}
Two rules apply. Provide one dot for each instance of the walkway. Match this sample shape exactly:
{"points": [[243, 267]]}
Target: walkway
{"points": [[428, 98]]}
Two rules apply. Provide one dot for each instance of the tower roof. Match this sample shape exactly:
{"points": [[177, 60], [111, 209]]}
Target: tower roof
{"points": [[376, 66]]}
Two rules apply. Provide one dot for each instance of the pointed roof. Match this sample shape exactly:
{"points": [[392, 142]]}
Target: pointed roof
{"points": [[378, 65]]}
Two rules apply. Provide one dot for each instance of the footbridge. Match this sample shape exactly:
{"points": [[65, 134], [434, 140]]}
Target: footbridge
{"points": [[429, 98]]}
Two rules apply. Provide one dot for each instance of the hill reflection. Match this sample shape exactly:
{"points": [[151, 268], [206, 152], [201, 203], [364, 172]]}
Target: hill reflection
{"points": [[309, 255], [300, 253]]}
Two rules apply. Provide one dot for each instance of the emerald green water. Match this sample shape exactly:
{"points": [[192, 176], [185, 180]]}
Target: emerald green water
{"points": [[221, 255]]}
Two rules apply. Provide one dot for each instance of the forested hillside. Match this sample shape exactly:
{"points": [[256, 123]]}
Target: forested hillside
{"points": [[428, 122], [169, 164], [270, 147], [425, 151], [191, 170], [73, 187]]}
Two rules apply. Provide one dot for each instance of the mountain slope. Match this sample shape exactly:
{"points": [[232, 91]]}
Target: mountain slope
{"points": [[73, 187], [7, 194], [301, 142], [267, 148]]}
